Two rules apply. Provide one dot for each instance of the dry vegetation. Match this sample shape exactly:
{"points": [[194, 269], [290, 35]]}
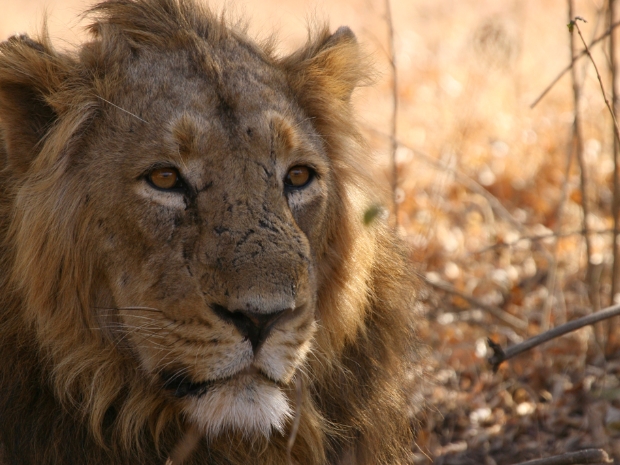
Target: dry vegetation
{"points": [[491, 204]]}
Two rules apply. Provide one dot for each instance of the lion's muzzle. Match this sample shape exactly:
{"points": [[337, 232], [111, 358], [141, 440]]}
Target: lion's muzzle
{"points": [[252, 324]]}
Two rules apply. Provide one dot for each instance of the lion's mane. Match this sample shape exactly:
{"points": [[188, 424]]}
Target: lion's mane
{"points": [[69, 393]]}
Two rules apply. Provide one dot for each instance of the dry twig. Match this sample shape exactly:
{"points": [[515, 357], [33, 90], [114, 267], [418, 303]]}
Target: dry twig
{"points": [[574, 24], [611, 327], [500, 355], [512, 321], [394, 141], [536, 238], [573, 458], [185, 446], [470, 184], [462, 178], [296, 420], [578, 148], [573, 61], [553, 255]]}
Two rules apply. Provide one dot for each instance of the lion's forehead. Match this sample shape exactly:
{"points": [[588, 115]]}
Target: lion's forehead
{"points": [[226, 106], [230, 128], [228, 83]]}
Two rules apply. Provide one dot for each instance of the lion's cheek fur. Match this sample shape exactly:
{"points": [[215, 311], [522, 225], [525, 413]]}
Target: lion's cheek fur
{"points": [[347, 265]]}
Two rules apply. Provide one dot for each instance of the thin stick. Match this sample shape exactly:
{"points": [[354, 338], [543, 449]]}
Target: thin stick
{"points": [[573, 458], [500, 355], [185, 446], [553, 256], [573, 61], [574, 23], [461, 177], [512, 321], [616, 140], [598, 75], [390, 26], [611, 327], [536, 238], [296, 420], [578, 147], [471, 184]]}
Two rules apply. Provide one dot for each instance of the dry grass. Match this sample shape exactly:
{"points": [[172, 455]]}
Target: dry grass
{"points": [[488, 204]]}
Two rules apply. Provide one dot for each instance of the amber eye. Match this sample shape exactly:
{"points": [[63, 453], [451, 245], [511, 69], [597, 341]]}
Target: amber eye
{"points": [[164, 178], [298, 176]]}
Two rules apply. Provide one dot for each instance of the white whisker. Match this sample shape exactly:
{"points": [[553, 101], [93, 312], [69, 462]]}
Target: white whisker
{"points": [[122, 109]]}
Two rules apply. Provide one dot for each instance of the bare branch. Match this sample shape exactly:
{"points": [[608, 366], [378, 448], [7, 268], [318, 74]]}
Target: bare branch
{"points": [[573, 61], [500, 355], [497, 312], [471, 184], [536, 238], [600, 80], [390, 26], [578, 148], [465, 180], [185, 446], [615, 273], [573, 458], [296, 420]]}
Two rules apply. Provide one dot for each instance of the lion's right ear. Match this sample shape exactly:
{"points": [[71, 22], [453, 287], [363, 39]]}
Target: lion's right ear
{"points": [[326, 69], [30, 74], [323, 74]]}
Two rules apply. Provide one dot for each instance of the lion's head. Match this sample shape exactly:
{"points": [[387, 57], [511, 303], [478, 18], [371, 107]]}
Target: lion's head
{"points": [[182, 236]]}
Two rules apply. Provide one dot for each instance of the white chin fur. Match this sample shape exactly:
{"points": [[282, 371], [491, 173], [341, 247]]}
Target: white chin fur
{"points": [[247, 405]]}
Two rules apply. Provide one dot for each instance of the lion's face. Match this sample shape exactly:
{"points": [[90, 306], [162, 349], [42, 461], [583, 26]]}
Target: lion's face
{"points": [[208, 229], [183, 223]]}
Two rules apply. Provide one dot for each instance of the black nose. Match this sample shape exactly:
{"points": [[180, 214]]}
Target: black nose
{"points": [[252, 325]]}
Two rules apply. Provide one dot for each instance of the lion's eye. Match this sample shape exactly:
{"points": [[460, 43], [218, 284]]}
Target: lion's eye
{"points": [[298, 176], [164, 178]]}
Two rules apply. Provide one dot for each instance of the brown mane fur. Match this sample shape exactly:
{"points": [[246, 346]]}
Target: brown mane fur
{"points": [[68, 394]]}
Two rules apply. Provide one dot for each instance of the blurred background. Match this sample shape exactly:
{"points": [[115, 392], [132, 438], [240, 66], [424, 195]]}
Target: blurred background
{"points": [[490, 193]]}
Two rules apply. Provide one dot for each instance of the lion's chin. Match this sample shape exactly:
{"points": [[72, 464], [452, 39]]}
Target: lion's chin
{"points": [[248, 404]]}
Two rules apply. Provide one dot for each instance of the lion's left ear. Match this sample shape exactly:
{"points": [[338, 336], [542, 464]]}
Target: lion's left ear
{"points": [[31, 73], [326, 70]]}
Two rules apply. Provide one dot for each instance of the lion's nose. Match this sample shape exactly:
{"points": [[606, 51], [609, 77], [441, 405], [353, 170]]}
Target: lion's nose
{"points": [[252, 325]]}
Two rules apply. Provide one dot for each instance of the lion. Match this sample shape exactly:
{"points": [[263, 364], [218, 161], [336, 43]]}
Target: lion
{"points": [[183, 251]]}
